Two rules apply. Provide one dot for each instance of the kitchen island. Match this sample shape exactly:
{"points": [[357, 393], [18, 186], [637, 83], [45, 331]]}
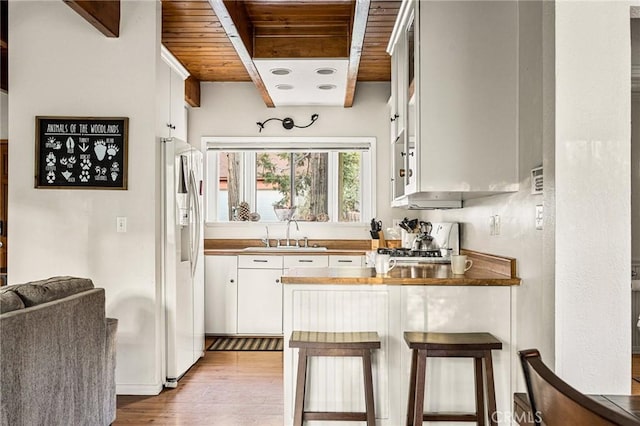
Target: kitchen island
{"points": [[409, 298]]}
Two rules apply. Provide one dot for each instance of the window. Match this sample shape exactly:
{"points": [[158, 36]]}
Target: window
{"points": [[325, 180]]}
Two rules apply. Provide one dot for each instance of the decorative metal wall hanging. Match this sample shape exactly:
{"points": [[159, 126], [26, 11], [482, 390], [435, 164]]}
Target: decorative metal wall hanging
{"points": [[287, 122]]}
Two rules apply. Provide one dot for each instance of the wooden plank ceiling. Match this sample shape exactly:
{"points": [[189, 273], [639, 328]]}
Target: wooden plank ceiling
{"points": [[281, 29]]}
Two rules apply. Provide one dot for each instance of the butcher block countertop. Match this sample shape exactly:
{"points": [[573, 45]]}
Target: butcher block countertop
{"points": [[234, 247], [290, 252], [488, 270]]}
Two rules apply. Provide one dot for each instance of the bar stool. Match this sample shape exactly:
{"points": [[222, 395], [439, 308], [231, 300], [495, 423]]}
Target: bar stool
{"points": [[311, 343], [451, 345]]}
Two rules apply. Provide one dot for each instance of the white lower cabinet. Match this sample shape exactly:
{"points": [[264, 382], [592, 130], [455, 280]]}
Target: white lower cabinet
{"points": [[259, 295], [221, 294], [243, 294]]}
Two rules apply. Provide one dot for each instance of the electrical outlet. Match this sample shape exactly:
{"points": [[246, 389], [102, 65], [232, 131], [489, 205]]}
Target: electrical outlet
{"points": [[496, 225], [492, 225], [121, 224], [539, 216]]}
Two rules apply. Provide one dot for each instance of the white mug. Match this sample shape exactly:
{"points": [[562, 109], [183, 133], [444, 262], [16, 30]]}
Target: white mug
{"points": [[460, 264], [384, 263]]}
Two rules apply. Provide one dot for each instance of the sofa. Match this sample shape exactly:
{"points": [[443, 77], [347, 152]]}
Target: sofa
{"points": [[57, 354]]}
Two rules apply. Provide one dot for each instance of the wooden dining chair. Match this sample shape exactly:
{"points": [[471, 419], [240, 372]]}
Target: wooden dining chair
{"points": [[555, 403]]}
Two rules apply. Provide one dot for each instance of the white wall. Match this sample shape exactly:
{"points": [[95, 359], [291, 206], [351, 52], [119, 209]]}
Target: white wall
{"points": [[635, 146], [547, 320], [635, 177], [60, 65], [592, 180], [232, 109], [518, 237]]}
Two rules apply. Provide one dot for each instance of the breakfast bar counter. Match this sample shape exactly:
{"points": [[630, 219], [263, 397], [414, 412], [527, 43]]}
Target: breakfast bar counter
{"points": [[423, 298], [420, 274]]}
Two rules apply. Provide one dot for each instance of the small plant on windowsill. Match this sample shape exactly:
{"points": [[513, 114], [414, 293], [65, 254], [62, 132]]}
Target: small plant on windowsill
{"points": [[284, 213]]}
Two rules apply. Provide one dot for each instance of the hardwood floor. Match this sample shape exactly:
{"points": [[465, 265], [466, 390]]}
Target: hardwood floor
{"points": [[228, 389], [222, 389]]}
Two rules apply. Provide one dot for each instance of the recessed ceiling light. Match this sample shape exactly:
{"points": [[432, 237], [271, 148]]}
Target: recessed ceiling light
{"points": [[325, 71], [327, 86], [280, 71], [284, 87]]}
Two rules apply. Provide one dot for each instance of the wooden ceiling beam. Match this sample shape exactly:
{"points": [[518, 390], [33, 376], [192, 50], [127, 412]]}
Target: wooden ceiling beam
{"points": [[360, 17], [192, 91], [233, 17], [301, 47], [104, 15]]}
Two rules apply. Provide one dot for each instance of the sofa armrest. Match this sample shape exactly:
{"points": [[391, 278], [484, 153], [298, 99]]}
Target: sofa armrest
{"points": [[110, 370]]}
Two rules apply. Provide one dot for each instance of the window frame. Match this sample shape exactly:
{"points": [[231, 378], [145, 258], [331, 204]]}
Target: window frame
{"points": [[251, 144]]}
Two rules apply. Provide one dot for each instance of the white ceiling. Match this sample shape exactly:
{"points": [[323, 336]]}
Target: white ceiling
{"points": [[303, 81]]}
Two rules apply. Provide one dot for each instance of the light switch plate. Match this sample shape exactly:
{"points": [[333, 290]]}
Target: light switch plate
{"points": [[539, 216], [121, 224], [497, 225]]}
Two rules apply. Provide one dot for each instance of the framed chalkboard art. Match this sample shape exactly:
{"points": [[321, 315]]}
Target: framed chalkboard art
{"points": [[81, 152]]}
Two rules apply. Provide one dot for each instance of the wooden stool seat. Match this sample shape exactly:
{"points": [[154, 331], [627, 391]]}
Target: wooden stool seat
{"points": [[316, 343], [451, 345]]}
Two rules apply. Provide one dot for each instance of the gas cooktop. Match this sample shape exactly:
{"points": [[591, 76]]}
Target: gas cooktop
{"points": [[405, 255]]}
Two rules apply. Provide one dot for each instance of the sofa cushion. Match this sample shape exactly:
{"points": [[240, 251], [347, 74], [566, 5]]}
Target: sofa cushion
{"points": [[9, 301], [37, 292]]}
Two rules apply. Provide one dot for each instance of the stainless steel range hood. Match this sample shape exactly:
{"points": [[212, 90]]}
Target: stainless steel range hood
{"points": [[429, 201], [441, 200]]}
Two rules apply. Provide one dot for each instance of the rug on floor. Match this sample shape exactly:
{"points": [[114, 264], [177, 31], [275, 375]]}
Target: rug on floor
{"points": [[226, 343]]}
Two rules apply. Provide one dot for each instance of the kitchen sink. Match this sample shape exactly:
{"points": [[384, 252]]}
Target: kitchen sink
{"points": [[284, 248]]}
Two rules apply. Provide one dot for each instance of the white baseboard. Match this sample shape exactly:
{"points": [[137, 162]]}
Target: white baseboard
{"points": [[138, 389]]}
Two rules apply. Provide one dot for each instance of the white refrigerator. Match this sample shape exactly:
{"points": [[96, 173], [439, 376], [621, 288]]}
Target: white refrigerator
{"points": [[182, 257]]}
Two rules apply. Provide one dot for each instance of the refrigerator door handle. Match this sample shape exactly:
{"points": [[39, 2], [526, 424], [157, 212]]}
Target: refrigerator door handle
{"points": [[195, 234], [198, 223]]}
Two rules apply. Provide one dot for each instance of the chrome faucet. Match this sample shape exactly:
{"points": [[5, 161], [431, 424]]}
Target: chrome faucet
{"points": [[265, 241], [289, 226]]}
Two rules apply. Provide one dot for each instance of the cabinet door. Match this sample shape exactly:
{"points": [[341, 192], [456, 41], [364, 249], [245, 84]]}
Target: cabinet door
{"points": [[221, 294], [398, 86], [163, 99], [395, 81], [178, 110], [259, 301], [410, 74], [398, 151], [399, 136]]}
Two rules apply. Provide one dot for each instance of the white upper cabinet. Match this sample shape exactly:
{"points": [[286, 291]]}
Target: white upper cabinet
{"points": [[171, 107], [455, 74], [163, 98], [178, 115]]}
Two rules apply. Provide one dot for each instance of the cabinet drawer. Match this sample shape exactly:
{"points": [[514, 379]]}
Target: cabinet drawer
{"points": [[260, 262], [308, 261], [338, 261]]}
